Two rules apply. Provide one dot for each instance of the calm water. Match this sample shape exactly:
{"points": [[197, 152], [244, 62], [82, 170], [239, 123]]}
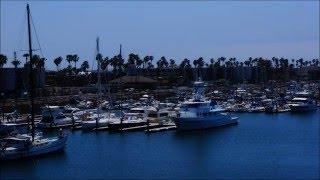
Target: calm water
{"points": [[260, 146]]}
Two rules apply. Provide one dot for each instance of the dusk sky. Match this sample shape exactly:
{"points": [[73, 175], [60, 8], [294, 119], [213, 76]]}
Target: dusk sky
{"points": [[177, 30]]}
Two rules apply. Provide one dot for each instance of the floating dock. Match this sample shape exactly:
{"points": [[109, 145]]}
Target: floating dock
{"points": [[159, 129]]}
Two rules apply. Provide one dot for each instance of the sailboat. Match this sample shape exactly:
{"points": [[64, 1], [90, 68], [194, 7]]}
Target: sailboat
{"points": [[98, 120], [25, 145]]}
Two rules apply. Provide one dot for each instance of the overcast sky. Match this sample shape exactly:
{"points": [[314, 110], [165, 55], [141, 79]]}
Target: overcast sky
{"points": [[175, 30]]}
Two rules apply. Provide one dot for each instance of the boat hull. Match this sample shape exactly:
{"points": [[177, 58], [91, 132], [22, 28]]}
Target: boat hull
{"points": [[92, 125], [300, 109], [184, 124], [51, 147], [57, 124], [117, 126]]}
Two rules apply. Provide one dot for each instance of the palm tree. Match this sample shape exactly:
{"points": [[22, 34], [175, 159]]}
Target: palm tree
{"points": [[41, 63], [26, 55], [300, 62], [150, 65], [146, 59], [57, 61], [172, 63], [164, 62], [84, 66], [159, 64], [151, 59], [198, 64], [75, 59], [147, 63], [221, 59], [292, 61], [15, 63], [195, 63], [139, 62], [211, 63], [120, 63], [250, 61], [113, 63], [117, 63], [104, 64], [3, 60], [313, 62], [35, 60], [69, 59]]}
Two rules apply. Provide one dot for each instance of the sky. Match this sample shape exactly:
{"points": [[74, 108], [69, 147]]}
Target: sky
{"points": [[177, 29]]}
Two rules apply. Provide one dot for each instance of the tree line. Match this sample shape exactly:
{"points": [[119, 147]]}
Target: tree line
{"points": [[119, 64]]}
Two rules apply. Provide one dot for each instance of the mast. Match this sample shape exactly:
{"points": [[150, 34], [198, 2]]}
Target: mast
{"points": [[99, 79], [120, 52], [31, 74], [99, 66], [15, 92]]}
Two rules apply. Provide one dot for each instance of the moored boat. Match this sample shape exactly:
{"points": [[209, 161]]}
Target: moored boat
{"points": [[302, 102], [199, 113]]}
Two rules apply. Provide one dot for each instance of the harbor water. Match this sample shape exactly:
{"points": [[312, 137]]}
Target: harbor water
{"points": [[262, 145]]}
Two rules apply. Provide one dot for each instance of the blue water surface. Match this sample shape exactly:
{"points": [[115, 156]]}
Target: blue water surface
{"points": [[261, 146]]}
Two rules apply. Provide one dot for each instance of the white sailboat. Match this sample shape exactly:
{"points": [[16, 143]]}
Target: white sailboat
{"points": [[21, 146], [97, 120]]}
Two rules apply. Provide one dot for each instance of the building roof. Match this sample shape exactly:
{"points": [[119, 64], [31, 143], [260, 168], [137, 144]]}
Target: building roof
{"points": [[133, 79]]}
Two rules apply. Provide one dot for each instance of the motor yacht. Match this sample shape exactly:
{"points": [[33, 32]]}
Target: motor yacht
{"points": [[199, 113]]}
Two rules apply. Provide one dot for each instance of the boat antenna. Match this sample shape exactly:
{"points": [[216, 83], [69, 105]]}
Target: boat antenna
{"points": [[31, 74]]}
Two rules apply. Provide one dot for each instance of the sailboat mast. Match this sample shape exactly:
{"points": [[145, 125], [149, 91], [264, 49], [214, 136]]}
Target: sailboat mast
{"points": [[99, 79], [99, 67], [31, 75]]}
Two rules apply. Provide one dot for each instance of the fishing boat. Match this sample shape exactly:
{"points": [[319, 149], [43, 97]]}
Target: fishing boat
{"points": [[199, 113], [22, 146]]}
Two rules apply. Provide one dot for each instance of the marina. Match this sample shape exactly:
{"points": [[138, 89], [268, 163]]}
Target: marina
{"points": [[138, 117]]}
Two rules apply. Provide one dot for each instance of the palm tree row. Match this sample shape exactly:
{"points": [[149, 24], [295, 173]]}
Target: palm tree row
{"points": [[37, 61], [118, 64]]}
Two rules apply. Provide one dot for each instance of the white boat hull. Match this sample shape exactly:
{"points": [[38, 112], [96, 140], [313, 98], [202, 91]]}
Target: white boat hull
{"points": [[56, 144], [58, 123], [92, 124], [204, 122]]}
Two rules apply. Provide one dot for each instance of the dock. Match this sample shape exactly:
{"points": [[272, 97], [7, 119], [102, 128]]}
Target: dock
{"points": [[75, 125], [152, 127], [160, 129]]}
